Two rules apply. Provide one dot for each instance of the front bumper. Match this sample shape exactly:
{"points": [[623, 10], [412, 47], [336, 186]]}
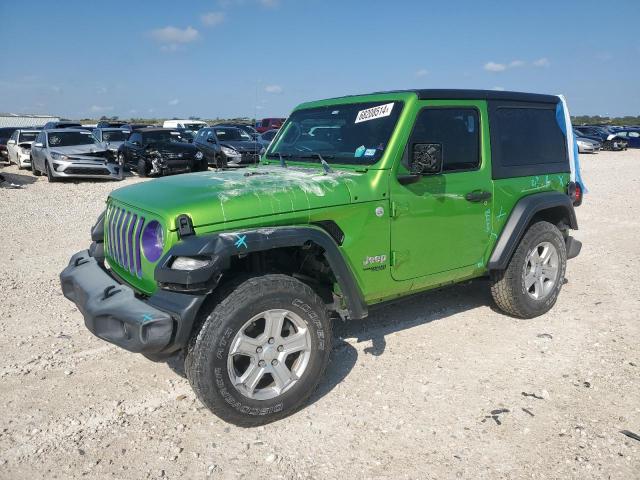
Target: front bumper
{"points": [[73, 168], [156, 326], [24, 159]]}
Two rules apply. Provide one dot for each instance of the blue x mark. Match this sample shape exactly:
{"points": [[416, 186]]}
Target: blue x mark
{"points": [[147, 317], [241, 242]]}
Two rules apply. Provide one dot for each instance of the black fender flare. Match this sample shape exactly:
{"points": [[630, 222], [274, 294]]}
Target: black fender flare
{"points": [[521, 215], [221, 247]]}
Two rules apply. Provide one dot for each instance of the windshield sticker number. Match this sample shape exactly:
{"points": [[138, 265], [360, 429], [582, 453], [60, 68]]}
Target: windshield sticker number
{"points": [[375, 112]]}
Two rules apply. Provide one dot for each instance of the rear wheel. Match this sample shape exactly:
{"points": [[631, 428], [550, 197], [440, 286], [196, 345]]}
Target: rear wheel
{"points": [[531, 283], [261, 351]]}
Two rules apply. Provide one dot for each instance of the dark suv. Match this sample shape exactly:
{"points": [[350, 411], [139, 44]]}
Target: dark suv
{"points": [[228, 147], [160, 151]]}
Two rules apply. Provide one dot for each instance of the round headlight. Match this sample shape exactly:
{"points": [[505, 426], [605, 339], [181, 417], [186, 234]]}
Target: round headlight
{"points": [[152, 241], [199, 156]]}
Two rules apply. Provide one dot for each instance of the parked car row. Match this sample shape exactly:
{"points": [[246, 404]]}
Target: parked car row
{"points": [[592, 138]]}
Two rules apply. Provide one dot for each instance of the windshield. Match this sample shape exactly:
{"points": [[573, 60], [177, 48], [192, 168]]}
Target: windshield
{"points": [[114, 135], [354, 133], [193, 126], [232, 134], [71, 139], [164, 137], [27, 136]]}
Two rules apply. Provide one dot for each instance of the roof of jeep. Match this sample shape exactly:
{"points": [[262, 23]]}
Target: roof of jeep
{"points": [[466, 94]]}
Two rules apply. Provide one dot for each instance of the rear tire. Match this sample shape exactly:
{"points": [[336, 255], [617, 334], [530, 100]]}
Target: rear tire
{"points": [[261, 350], [532, 281]]}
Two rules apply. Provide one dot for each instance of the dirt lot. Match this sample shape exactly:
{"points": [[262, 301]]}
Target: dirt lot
{"points": [[409, 393]]}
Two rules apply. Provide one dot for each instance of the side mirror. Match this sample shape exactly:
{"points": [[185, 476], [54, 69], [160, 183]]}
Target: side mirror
{"points": [[38, 145], [11, 142], [426, 158], [211, 140]]}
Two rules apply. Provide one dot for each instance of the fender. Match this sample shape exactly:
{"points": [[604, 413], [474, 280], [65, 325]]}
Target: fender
{"points": [[221, 247], [521, 215]]}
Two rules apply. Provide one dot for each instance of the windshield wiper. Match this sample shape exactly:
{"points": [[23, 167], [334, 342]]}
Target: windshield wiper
{"points": [[281, 157], [325, 165]]}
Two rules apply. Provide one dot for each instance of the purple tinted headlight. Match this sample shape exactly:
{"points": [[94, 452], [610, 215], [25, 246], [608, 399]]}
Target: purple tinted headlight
{"points": [[152, 241]]}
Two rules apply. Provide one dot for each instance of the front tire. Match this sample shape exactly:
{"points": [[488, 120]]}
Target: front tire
{"points": [[143, 170], [34, 170], [261, 350], [531, 283], [50, 176]]}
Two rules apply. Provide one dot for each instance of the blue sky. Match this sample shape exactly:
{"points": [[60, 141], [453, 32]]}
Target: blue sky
{"points": [[227, 58]]}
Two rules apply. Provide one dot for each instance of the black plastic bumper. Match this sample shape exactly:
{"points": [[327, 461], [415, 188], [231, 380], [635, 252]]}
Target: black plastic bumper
{"points": [[159, 324]]}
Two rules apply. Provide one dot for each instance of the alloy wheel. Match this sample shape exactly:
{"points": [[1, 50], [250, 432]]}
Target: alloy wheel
{"points": [[540, 272], [269, 354]]}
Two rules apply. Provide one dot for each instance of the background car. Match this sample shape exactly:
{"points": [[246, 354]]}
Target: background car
{"points": [[160, 151], [267, 137], [19, 147], [113, 137], [228, 147], [61, 124], [632, 136], [72, 153], [269, 124], [130, 127], [587, 145], [193, 125], [242, 126], [609, 140], [110, 124], [5, 134]]}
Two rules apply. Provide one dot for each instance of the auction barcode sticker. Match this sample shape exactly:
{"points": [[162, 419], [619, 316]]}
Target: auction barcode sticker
{"points": [[374, 112]]}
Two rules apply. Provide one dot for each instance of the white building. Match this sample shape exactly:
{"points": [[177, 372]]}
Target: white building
{"points": [[25, 120]]}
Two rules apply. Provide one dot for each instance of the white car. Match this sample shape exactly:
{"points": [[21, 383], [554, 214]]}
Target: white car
{"points": [[19, 147], [193, 125]]}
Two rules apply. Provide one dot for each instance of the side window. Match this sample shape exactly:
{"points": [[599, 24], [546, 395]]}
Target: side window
{"points": [[634, 134], [41, 138], [456, 129], [96, 133], [136, 137], [528, 136], [14, 136]]}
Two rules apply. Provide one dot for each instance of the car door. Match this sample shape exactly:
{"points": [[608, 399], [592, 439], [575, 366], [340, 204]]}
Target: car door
{"points": [[442, 221], [209, 145], [132, 148], [633, 138], [37, 152]]}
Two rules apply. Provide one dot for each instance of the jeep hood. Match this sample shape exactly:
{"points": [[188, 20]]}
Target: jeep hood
{"points": [[226, 196]]}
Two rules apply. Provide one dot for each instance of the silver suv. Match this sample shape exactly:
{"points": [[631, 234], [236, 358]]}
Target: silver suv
{"points": [[72, 153]]}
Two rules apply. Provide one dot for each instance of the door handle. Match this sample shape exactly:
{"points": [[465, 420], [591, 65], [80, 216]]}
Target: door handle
{"points": [[477, 196]]}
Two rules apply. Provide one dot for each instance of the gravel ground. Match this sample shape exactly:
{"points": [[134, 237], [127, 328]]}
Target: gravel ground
{"points": [[440, 386]]}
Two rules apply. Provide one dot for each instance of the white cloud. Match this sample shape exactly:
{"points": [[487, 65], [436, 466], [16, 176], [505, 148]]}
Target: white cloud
{"points": [[423, 72], [541, 62], [99, 109], [175, 101], [101, 90], [495, 67], [171, 37], [273, 89], [499, 89], [516, 63], [56, 89], [211, 19]]}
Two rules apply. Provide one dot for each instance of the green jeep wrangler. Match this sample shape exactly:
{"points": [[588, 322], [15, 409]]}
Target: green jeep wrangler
{"points": [[358, 200]]}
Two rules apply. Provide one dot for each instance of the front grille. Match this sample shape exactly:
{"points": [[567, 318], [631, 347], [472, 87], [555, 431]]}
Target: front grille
{"points": [[174, 155], [86, 171], [250, 158], [123, 231], [104, 154]]}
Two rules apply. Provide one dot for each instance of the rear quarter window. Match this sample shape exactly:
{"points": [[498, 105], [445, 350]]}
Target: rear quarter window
{"points": [[526, 140]]}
